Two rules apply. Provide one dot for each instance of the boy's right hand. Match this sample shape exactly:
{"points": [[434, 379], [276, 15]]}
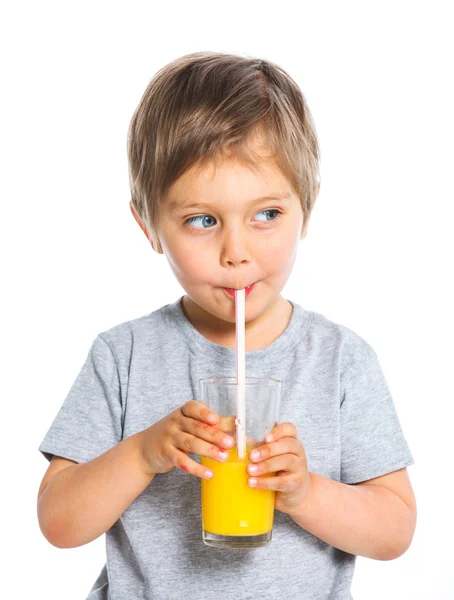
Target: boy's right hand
{"points": [[191, 428]]}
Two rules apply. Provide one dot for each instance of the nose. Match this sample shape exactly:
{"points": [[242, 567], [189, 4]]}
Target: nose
{"points": [[235, 248]]}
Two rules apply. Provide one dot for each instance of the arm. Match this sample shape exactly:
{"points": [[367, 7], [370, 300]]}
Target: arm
{"points": [[376, 518], [79, 502]]}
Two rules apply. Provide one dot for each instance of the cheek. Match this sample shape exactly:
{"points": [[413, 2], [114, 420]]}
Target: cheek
{"points": [[279, 254], [188, 263]]}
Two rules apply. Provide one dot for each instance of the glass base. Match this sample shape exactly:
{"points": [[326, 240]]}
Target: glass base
{"points": [[239, 542]]}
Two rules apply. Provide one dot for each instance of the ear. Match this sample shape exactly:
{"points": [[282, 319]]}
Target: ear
{"points": [[144, 229], [304, 228], [137, 218], [307, 218]]}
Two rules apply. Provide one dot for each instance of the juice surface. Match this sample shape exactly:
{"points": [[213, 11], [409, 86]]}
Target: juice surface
{"points": [[229, 505]]}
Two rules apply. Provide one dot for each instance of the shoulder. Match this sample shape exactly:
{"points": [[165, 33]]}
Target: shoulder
{"points": [[148, 329], [337, 348], [335, 335]]}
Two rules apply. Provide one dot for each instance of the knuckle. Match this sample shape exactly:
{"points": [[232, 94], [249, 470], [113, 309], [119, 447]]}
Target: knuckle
{"points": [[298, 447], [218, 436], [226, 424], [266, 483], [291, 486], [181, 465], [281, 484], [187, 442], [187, 407], [265, 451], [203, 426], [204, 411], [167, 442], [213, 451], [200, 471], [289, 428], [294, 461]]}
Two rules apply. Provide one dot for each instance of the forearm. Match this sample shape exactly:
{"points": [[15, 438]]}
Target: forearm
{"points": [[83, 501], [366, 520]]}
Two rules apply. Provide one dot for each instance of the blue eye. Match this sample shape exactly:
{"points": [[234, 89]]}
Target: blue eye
{"points": [[207, 219], [195, 219], [270, 210]]}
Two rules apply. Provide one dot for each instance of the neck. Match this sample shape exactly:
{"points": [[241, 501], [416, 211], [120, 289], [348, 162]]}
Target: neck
{"points": [[260, 332]]}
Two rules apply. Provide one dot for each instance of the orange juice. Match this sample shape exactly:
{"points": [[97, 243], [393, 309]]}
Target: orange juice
{"points": [[229, 505]]}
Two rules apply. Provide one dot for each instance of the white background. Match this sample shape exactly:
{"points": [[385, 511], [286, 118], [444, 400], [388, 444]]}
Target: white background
{"points": [[378, 79]]}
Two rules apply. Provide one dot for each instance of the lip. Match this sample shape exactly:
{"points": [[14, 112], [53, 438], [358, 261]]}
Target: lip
{"points": [[231, 291]]}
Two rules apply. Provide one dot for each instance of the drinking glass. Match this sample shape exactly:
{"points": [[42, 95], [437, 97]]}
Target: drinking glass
{"points": [[235, 515]]}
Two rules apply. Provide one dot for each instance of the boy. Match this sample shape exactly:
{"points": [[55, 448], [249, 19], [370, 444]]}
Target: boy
{"points": [[223, 162]]}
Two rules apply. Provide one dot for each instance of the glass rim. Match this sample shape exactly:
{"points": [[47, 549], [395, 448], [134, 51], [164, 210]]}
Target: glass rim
{"points": [[249, 381]]}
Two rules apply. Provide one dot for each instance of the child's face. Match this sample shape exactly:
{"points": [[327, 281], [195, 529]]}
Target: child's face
{"points": [[231, 242]]}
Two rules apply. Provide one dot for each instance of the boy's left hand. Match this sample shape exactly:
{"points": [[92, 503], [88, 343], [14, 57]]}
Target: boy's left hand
{"points": [[283, 455]]}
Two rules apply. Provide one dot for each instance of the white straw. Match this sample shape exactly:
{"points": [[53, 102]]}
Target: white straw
{"points": [[240, 372]]}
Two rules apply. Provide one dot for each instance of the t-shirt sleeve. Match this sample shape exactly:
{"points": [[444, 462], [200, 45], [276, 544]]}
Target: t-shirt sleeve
{"points": [[90, 419], [372, 441]]}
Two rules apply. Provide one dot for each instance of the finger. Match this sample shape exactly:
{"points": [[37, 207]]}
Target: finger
{"points": [[281, 430], [227, 424], [280, 483], [189, 443], [283, 462], [286, 445], [186, 464], [208, 433], [197, 410]]}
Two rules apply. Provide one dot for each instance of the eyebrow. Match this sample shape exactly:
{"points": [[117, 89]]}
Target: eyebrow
{"points": [[176, 205]]}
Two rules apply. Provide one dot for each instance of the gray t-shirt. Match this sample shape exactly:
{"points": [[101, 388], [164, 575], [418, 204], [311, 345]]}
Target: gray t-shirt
{"points": [[333, 390]]}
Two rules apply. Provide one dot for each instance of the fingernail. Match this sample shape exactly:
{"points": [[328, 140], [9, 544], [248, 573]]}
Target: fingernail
{"points": [[228, 442], [208, 474], [269, 438], [223, 455], [253, 469], [252, 482], [255, 454]]}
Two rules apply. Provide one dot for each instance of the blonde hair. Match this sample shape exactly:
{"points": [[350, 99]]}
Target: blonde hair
{"points": [[204, 105]]}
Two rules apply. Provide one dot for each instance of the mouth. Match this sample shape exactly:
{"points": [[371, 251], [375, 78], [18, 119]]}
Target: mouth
{"points": [[231, 291]]}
